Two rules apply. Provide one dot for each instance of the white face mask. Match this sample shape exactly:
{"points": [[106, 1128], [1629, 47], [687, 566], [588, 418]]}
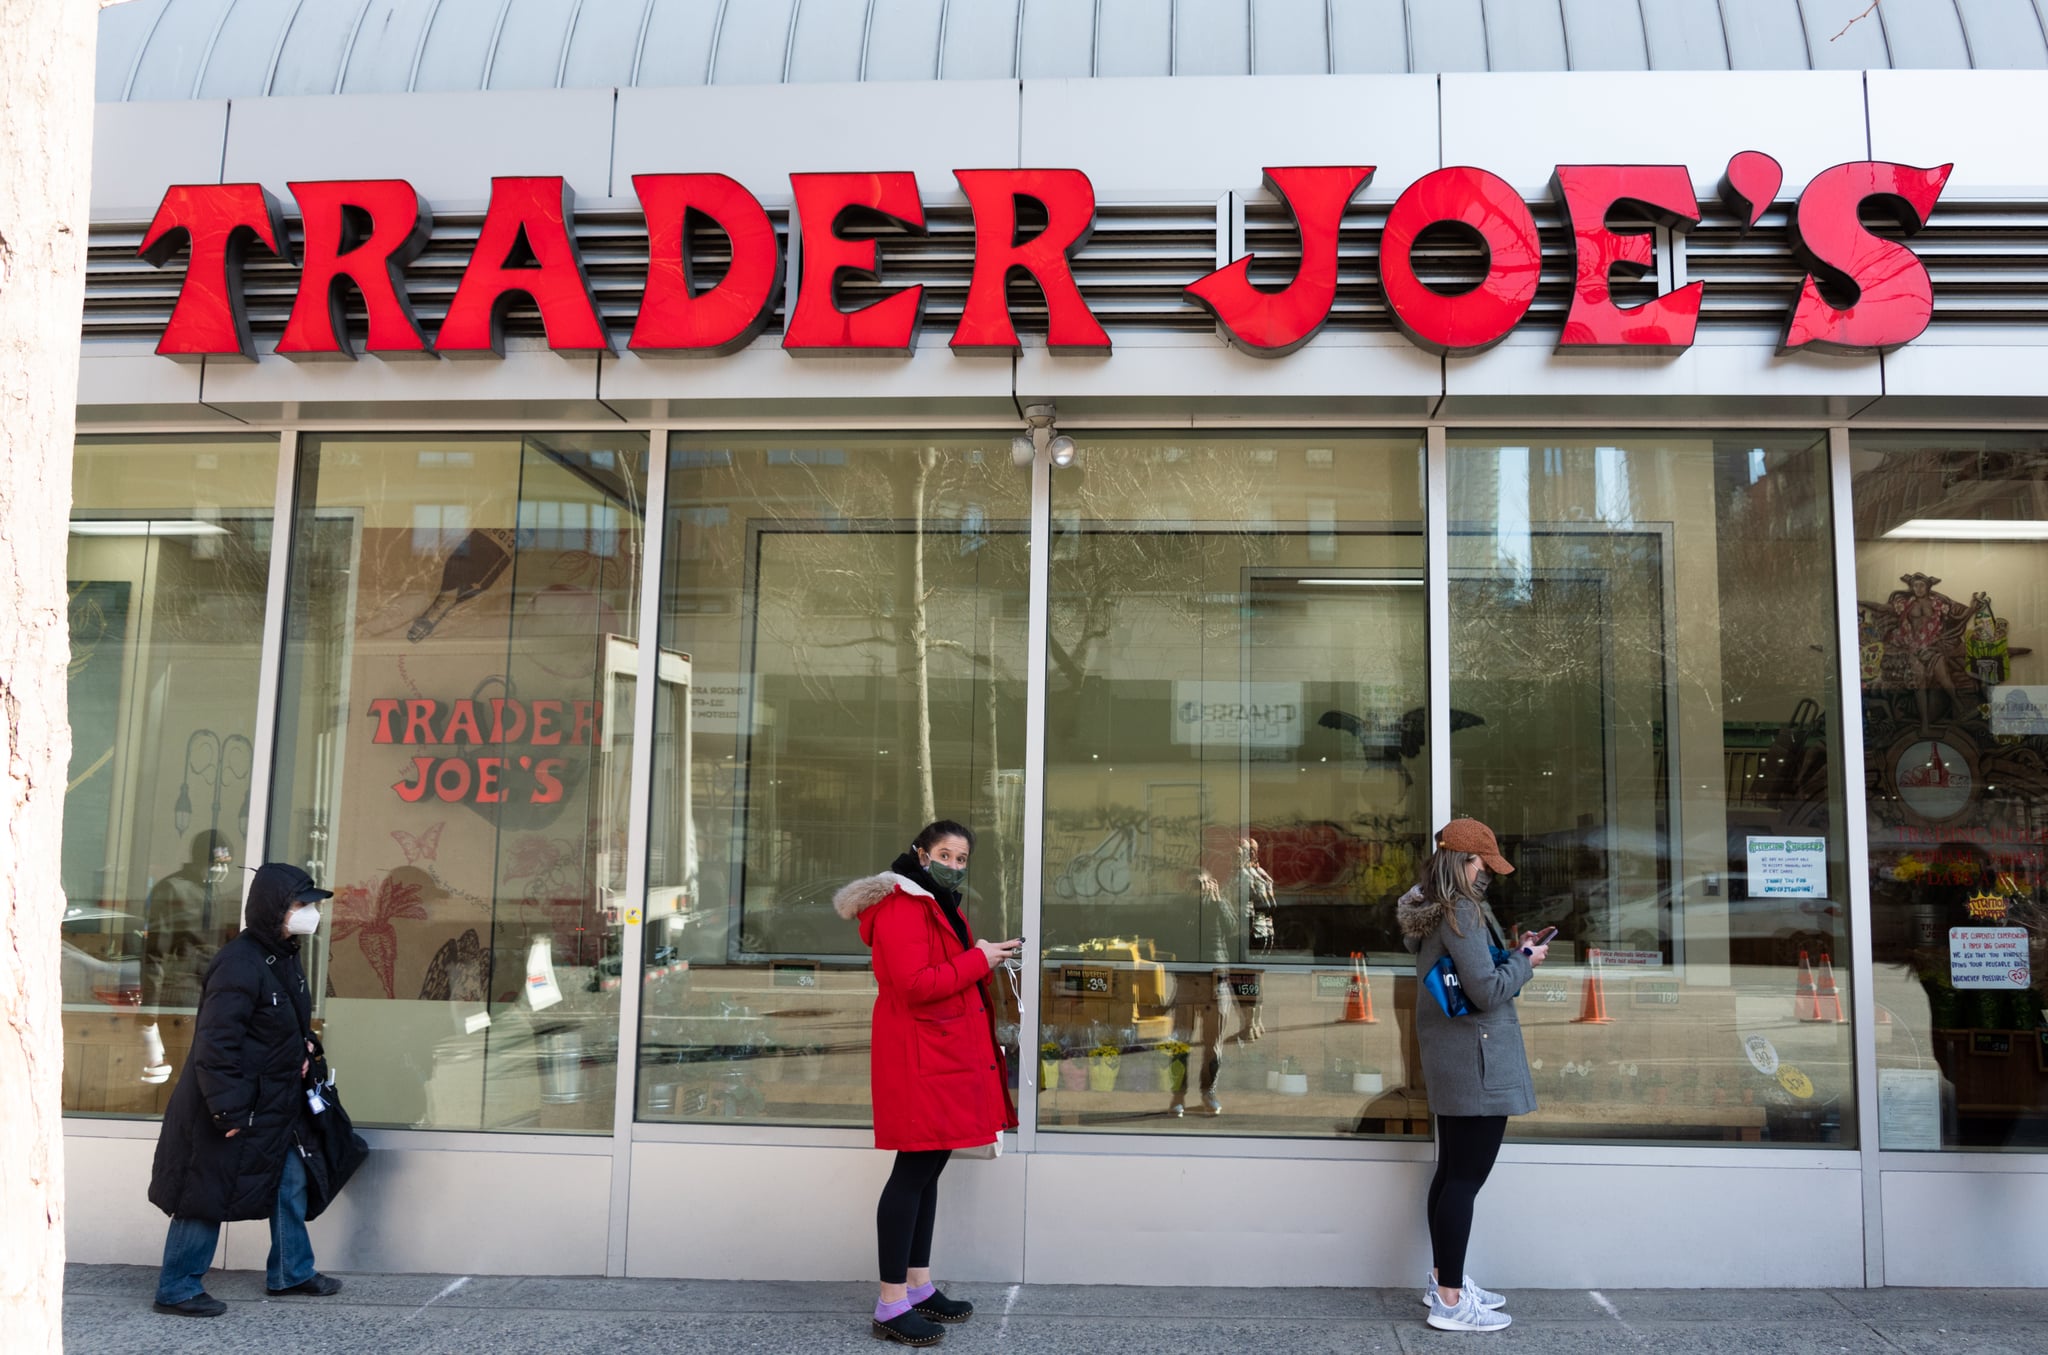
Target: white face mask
{"points": [[302, 921]]}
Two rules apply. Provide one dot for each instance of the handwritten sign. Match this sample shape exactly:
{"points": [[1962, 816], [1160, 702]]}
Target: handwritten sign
{"points": [[1988, 957], [1788, 867]]}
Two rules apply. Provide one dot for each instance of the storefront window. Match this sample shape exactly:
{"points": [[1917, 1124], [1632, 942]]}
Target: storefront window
{"points": [[1644, 706], [168, 569], [1236, 783], [1952, 617], [843, 630], [454, 745]]}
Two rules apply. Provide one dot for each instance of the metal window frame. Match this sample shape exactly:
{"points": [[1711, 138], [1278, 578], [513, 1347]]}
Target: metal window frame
{"points": [[1869, 1158]]}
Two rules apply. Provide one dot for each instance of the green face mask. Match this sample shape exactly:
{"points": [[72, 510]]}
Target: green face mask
{"points": [[949, 876]]}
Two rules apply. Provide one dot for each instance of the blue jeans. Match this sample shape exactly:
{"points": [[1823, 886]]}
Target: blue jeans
{"points": [[190, 1243]]}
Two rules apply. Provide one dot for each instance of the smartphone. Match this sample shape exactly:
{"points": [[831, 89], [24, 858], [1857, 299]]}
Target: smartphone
{"points": [[1541, 938]]}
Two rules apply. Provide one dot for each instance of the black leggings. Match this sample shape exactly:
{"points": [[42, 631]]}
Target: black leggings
{"points": [[1465, 1148], [904, 1218]]}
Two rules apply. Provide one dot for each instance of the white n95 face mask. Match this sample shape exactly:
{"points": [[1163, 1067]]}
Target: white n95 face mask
{"points": [[303, 921]]}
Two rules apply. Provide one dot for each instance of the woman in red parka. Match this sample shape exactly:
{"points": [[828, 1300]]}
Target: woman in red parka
{"points": [[938, 1077]]}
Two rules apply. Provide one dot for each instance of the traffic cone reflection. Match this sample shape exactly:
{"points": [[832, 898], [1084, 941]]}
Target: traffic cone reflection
{"points": [[1358, 995], [1593, 1007], [1806, 998], [1828, 993]]}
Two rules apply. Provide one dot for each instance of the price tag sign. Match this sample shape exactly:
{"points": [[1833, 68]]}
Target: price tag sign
{"points": [[1795, 1082], [792, 974]]}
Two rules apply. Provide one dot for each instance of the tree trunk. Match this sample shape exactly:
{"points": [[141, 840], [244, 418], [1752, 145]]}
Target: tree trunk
{"points": [[46, 84]]}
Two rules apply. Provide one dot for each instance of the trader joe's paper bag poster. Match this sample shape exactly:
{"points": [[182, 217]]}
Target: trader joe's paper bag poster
{"points": [[480, 672]]}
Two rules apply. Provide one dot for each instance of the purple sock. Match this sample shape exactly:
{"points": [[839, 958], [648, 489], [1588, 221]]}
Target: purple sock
{"points": [[884, 1311], [922, 1292]]}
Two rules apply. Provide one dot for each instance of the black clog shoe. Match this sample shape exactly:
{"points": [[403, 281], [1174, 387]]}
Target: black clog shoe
{"points": [[939, 1308], [910, 1329]]}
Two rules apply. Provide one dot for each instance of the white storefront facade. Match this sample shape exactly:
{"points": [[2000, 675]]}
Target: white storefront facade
{"points": [[585, 670]]}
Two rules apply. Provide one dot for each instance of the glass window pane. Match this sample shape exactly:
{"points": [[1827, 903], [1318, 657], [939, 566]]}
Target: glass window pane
{"points": [[1952, 613], [1237, 784], [168, 571], [454, 748], [843, 632], [1643, 692]]}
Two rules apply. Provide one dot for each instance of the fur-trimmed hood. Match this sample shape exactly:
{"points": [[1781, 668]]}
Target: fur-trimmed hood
{"points": [[1417, 916], [856, 898]]}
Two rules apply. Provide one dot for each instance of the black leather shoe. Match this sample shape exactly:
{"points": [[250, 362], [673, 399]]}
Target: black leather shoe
{"points": [[910, 1329], [939, 1308], [201, 1304], [318, 1285]]}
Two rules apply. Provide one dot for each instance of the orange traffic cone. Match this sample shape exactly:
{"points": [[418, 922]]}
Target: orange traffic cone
{"points": [[1593, 1007], [1828, 992], [1358, 996], [1806, 998]]}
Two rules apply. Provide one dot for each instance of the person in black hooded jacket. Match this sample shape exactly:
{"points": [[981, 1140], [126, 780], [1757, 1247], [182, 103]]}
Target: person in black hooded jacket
{"points": [[230, 1144]]}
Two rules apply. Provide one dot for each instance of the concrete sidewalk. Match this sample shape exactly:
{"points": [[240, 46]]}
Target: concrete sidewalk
{"points": [[107, 1312]]}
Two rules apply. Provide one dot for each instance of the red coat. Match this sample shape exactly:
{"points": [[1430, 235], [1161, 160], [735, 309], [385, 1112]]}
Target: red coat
{"points": [[939, 1081]]}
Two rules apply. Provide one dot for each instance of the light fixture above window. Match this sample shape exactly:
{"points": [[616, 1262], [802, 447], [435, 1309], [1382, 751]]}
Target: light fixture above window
{"points": [[146, 527], [1970, 529]]}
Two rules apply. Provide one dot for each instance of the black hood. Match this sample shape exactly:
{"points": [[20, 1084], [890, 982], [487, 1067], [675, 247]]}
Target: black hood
{"points": [[277, 886]]}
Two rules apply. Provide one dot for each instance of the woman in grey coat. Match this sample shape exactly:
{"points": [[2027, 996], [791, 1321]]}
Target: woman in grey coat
{"points": [[1475, 1065]]}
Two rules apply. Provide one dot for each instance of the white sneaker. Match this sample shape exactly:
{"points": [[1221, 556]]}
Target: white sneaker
{"points": [[1466, 1316], [1486, 1297]]}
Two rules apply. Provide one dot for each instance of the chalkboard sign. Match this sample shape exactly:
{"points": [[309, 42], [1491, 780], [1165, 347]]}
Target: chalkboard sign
{"points": [[1991, 1042], [1245, 982], [1333, 987], [1551, 992]]}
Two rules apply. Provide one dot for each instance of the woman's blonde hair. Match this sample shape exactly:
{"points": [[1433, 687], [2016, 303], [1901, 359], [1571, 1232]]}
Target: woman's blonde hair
{"points": [[1444, 882]]}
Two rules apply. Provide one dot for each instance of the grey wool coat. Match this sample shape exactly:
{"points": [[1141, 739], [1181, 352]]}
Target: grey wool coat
{"points": [[1474, 1064]]}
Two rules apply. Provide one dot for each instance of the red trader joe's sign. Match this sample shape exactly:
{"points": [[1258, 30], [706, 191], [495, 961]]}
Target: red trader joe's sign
{"points": [[458, 774], [363, 233]]}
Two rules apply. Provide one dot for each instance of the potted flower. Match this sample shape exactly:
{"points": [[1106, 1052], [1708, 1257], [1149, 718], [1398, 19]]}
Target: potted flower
{"points": [[1103, 1062], [1173, 1074], [1367, 1081], [1048, 1064], [1293, 1081]]}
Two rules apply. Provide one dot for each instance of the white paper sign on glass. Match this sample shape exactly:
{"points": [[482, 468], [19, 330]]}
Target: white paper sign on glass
{"points": [[1988, 957], [1909, 1109], [1788, 867], [2018, 712]]}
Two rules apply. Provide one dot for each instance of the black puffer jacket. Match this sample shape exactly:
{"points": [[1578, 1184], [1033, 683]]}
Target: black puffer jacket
{"points": [[248, 1044]]}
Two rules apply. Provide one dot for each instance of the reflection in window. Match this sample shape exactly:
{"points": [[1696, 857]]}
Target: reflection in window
{"points": [[168, 571], [844, 625], [454, 743], [1643, 707], [1952, 616], [1237, 785]]}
